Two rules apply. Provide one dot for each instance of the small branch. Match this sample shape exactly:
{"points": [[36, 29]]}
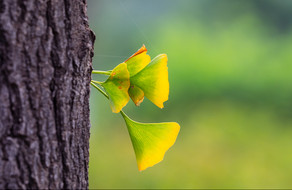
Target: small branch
{"points": [[101, 72]]}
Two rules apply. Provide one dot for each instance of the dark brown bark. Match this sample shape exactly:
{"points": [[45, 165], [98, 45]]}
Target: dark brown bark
{"points": [[46, 48]]}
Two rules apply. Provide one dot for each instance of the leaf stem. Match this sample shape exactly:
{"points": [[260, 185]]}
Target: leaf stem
{"points": [[99, 89], [123, 114], [101, 72], [97, 82], [126, 117]]}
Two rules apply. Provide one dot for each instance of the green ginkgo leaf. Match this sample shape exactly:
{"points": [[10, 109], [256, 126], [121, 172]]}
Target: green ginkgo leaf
{"points": [[138, 61], [148, 78], [151, 140], [137, 77], [153, 80], [117, 86]]}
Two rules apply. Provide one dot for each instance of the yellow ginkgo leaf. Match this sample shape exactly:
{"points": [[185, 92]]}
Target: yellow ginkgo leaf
{"points": [[151, 140], [135, 64], [148, 78], [153, 80], [117, 86], [138, 61]]}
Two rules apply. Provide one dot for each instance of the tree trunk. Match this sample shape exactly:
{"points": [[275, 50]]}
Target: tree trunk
{"points": [[46, 48]]}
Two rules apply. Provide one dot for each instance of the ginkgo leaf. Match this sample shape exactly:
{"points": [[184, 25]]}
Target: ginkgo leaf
{"points": [[153, 80], [117, 86], [151, 140], [138, 61], [136, 94], [135, 64]]}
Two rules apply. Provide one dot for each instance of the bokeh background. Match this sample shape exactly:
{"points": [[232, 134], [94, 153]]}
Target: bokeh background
{"points": [[230, 73]]}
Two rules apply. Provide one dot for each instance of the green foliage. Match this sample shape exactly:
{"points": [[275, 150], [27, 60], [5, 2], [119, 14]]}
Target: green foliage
{"points": [[117, 86], [135, 77]]}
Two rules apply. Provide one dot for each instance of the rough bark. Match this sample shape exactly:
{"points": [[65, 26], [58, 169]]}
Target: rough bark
{"points": [[46, 48]]}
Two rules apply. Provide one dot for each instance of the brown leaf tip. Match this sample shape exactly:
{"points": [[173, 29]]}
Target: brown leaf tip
{"points": [[141, 50]]}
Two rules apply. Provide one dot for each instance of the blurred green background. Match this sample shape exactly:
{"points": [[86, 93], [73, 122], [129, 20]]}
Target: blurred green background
{"points": [[230, 73]]}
